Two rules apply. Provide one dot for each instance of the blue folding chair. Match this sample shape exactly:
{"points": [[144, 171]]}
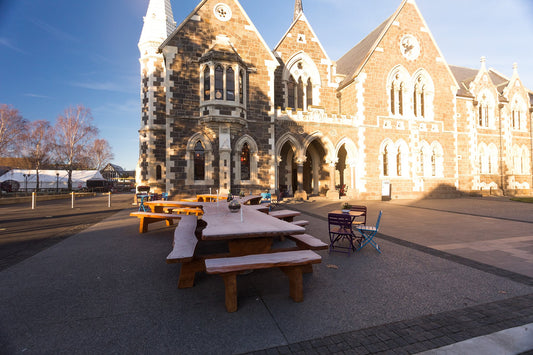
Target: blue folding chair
{"points": [[340, 230], [164, 196], [368, 233], [266, 198], [142, 206]]}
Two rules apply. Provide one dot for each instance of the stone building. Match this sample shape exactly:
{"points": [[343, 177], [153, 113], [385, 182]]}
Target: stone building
{"points": [[222, 110]]}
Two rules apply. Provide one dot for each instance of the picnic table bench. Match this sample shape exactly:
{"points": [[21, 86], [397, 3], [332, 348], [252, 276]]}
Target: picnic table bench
{"points": [[146, 218], [286, 215], [290, 262]]}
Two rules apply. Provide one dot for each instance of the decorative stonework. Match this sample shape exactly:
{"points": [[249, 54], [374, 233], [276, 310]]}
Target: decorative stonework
{"points": [[410, 47], [222, 12]]}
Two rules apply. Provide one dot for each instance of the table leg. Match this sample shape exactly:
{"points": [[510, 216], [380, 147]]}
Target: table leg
{"points": [[230, 287], [295, 282], [188, 272]]}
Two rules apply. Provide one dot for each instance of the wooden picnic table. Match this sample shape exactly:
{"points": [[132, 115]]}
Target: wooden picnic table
{"points": [[160, 205], [211, 197]]}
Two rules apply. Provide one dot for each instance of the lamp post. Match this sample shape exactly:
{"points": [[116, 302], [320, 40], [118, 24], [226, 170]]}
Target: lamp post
{"points": [[57, 183]]}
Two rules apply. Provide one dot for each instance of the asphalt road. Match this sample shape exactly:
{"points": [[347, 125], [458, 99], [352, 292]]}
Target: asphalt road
{"points": [[25, 232]]}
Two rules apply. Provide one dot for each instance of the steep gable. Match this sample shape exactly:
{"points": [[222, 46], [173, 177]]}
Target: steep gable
{"points": [[386, 39]]}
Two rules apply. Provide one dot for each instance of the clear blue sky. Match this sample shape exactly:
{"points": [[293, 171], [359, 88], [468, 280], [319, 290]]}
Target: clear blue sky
{"points": [[66, 52]]}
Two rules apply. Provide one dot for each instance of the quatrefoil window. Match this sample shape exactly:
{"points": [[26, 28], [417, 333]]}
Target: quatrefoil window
{"points": [[222, 12]]}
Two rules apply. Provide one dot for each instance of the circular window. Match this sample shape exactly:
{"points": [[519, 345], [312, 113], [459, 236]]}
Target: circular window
{"points": [[222, 12], [410, 47]]}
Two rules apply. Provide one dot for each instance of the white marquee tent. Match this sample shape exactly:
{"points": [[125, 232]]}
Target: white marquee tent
{"points": [[50, 179]]}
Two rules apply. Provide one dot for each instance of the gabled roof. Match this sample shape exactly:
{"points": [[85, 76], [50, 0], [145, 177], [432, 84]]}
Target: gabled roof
{"points": [[198, 7], [301, 16], [353, 62], [222, 51], [464, 76], [350, 63]]}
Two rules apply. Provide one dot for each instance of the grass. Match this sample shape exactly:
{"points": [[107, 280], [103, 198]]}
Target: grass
{"points": [[523, 199]]}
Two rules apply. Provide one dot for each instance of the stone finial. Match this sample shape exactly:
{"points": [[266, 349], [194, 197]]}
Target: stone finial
{"points": [[298, 8], [515, 68], [483, 61]]}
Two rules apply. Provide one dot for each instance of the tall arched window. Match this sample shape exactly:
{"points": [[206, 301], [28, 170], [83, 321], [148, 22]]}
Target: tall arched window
{"points": [[419, 98], [434, 162], [309, 93], [158, 173], [386, 161], [230, 84], [399, 162], [291, 88], [219, 82], [245, 162], [397, 96], [241, 86], [199, 161], [207, 83], [300, 94]]}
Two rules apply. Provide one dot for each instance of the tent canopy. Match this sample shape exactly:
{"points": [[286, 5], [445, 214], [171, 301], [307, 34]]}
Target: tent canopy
{"points": [[50, 179]]}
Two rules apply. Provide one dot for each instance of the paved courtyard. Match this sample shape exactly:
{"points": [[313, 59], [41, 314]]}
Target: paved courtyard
{"points": [[107, 289]]}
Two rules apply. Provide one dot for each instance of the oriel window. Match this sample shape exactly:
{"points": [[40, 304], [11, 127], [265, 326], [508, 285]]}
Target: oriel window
{"points": [[199, 161], [207, 84], [219, 83], [230, 84]]}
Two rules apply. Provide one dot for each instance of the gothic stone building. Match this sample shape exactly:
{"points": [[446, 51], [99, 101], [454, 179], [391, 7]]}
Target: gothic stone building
{"points": [[222, 110]]}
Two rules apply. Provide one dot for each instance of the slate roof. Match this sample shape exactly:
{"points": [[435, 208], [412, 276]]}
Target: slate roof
{"points": [[463, 76], [350, 63]]}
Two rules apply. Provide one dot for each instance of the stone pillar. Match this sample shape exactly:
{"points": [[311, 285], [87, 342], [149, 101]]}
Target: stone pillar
{"points": [[225, 160], [332, 193], [300, 193]]}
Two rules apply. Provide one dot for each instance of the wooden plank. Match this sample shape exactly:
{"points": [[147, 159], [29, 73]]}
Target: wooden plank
{"points": [[301, 223], [261, 261], [306, 241], [184, 240]]}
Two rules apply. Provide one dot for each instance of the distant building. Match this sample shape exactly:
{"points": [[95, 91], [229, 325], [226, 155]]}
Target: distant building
{"points": [[221, 110], [112, 172]]}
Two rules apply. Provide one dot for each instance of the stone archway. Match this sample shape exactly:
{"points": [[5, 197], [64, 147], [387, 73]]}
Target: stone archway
{"points": [[287, 170], [315, 172]]}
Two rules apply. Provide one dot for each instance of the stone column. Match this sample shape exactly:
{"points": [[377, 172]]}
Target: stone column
{"points": [[332, 193], [300, 193]]}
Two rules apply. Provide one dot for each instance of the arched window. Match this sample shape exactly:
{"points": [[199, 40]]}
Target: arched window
{"points": [[300, 94], [485, 110], [291, 87], [241, 87], [433, 162], [245, 162], [419, 99], [399, 162], [386, 161], [397, 93], [199, 161], [219, 82], [309, 93], [230, 84], [207, 83], [158, 173]]}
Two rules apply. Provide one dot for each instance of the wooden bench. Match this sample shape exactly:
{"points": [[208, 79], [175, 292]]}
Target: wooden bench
{"points": [[290, 262], [184, 246], [186, 210], [286, 215], [306, 241], [301, 223], [151, 217]]}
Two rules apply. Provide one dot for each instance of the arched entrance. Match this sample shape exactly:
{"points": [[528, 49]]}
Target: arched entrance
{"points": [[314, 171], [288, 170]]}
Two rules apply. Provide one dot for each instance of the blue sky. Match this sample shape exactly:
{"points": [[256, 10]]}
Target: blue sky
{"points": [[57, 53]]}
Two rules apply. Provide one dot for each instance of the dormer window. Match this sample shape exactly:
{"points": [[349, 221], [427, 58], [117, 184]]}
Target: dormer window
{"points": [[485, 110]]}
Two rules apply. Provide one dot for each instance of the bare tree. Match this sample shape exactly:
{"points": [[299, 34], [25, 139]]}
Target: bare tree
{"points": [[37, 144], [74, 133], [101, 153], [12, 126]]}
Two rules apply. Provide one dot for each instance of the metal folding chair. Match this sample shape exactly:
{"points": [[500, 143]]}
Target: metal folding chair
{"points": [[142, 206], [359, 219], [368, 233], [340, 230]]}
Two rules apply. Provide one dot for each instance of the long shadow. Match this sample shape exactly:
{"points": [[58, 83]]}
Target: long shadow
{"points": [[61, 216]]}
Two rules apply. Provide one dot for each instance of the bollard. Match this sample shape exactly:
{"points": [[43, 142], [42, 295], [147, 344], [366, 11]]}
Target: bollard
{"points": [[33, 200], [72, 203], [109, 199]]}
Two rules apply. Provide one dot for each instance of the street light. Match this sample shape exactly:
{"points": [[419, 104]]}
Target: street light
{"points": [[26, 176], [57, 183]]}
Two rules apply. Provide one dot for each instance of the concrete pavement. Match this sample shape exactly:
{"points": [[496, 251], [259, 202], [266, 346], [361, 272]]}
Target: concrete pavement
{"points": [[109, 290]]}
